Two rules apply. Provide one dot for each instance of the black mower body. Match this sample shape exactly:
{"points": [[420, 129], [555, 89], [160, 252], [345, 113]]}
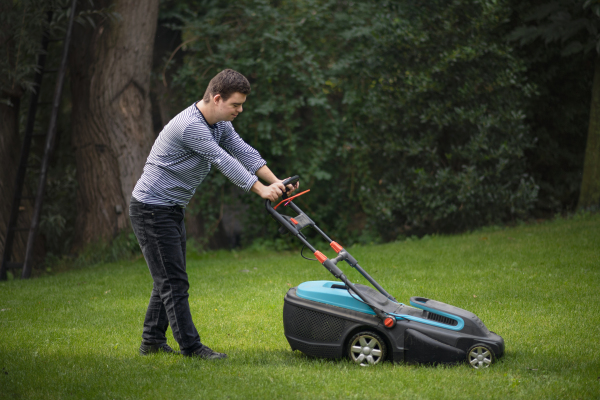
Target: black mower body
{"points": [[324, 330]]}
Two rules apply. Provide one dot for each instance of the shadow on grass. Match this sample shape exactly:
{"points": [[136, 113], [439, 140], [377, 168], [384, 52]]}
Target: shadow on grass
{"points": [[289, 357]]}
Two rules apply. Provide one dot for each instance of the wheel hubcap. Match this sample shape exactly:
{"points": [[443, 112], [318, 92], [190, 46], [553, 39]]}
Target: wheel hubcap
{"points": [[480, 357], [366, 350]]}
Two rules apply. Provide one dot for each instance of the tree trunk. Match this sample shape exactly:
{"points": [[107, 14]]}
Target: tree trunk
{"points": [[9, 160], [10, 144], [111, 123], [590, 182]]}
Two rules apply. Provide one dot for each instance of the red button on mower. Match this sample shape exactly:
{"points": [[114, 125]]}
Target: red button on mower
{"points": [[389, 322]]}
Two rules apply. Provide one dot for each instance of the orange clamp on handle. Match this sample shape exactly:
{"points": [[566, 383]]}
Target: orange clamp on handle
{"points": [[320, 256], [336, 247], [294, 221]]}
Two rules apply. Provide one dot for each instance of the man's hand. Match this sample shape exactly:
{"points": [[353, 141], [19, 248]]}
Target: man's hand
{"points": [[271, 192], [291, 188], [265, 174]]}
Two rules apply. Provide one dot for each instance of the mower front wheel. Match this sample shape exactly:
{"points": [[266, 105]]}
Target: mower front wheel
{"points": [[367, 348], [480, 356]]}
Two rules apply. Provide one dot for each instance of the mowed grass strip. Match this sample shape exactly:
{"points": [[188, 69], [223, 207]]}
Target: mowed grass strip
{"points": [[76, 334]]}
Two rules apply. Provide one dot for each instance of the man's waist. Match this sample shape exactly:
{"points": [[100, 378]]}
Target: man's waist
{"points": [[137, 203]]}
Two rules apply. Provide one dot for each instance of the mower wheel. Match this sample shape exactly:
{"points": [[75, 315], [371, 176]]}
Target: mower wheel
{"points": [[480, 356], [367, 348]]}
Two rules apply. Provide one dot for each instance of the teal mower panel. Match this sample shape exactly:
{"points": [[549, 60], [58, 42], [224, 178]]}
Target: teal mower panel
{"points": [[334, 293], [323, 292]]}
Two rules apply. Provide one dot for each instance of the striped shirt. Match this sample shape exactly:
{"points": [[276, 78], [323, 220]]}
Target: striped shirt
{"points": [[183, 154]]}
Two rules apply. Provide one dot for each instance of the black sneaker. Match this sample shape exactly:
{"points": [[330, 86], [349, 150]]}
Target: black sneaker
{"points": [[207, 353], [146, 349]]}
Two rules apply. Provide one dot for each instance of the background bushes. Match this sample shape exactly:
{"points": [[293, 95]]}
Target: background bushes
{"points": [[401, 117]]}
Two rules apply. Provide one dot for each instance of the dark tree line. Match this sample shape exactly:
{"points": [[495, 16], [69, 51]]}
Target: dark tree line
{"points": [[402, 117]]}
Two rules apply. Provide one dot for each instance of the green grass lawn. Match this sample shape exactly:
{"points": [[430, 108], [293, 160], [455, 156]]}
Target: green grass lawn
{"points": [[76, 334]]}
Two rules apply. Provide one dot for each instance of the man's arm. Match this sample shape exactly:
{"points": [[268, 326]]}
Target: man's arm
{"points": [[266, 175], [252, 160], [271, 192], [246, 154], [197, 137]]}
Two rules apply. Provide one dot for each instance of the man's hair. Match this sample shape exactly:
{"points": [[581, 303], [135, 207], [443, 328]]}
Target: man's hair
{"points": [[226, 83]]}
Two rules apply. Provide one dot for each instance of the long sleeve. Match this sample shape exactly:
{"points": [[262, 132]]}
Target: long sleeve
{"points": [[198, 138], [246, 154]]}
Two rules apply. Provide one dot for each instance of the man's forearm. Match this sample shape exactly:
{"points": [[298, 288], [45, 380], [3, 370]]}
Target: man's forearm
{"points": [[266, 175]]}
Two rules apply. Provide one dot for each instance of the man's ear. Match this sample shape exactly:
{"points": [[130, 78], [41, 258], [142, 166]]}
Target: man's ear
{"points": [[217, 98]]}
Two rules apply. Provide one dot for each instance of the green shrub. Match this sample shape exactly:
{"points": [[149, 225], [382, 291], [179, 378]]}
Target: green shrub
{"points": [[123, 246], [445, 149], [400, 117]]}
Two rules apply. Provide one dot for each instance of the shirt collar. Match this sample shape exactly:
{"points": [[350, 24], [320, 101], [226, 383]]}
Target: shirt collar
{"points": [[202, 115]]}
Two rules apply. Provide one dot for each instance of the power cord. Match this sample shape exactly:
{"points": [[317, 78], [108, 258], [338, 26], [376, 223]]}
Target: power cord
{"points": [[356, 298], [306, 258]]}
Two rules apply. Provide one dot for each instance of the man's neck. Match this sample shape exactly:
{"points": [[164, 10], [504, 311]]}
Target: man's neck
{"points": [[207, 112]]}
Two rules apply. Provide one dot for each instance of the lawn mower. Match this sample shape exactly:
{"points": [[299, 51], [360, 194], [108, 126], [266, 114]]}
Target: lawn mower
{"points": [[334, 319]]}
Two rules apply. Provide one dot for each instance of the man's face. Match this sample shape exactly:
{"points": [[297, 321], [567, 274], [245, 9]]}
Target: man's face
{"points": [[228, 109]]}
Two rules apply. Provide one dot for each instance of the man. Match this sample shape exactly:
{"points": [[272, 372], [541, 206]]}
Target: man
{"points": [[181, 157]]}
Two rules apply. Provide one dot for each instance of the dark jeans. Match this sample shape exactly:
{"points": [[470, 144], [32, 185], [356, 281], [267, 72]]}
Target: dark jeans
{"points": [[160, 231]]}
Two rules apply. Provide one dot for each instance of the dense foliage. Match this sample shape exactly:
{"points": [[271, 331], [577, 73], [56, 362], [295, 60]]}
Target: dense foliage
{"points": [[400, 117], [446, 152]]}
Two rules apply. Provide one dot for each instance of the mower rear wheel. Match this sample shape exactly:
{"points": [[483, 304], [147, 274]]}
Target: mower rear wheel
{"points": [[480, 356], [367, 348]]}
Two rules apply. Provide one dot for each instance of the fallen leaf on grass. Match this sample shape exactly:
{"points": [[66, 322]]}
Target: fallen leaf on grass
{"points": [[108, 291], [474, 295]]}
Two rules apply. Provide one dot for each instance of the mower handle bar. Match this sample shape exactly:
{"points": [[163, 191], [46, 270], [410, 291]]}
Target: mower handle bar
{"points": [[329, 264]]}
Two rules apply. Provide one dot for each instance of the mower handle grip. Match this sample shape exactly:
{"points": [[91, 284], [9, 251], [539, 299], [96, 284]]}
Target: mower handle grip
{"points": [[289, 181]]}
